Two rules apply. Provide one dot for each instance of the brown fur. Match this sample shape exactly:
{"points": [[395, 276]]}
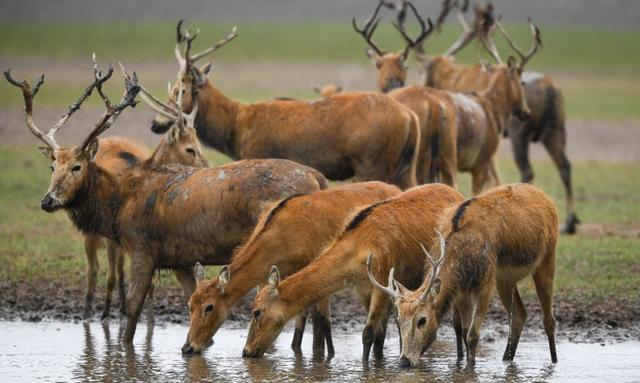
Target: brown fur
{"points": [[362, 135], [392, 231], [289, 236], [497, 239], [328, 90]]}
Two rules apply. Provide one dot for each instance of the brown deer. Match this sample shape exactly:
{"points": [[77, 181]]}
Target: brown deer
{"points": [[117, 155], [365, 135], [492, 240], [327, 90], [547, 119], [392, 230], [289, 235], [166, 216]]}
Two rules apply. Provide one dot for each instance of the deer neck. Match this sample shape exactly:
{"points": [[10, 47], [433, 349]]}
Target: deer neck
{"points": [[496, 100], [217, 120], [248, 269], [95, 208], [439, 71]]}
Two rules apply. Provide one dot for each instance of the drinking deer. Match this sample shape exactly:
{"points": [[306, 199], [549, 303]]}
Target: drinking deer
{"points": [[391, 230], [117, 155], [547, 119], [289, 235], [167, 216], [494, 239], [365, 135]]}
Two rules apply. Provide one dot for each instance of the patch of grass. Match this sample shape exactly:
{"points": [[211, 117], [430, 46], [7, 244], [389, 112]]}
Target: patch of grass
{"points": [[576, 47], [35, 245]]}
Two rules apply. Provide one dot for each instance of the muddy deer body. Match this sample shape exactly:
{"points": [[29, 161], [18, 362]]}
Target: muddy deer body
{"points": [[289, 235], [362, 135], [492, 241], [391, 230]]}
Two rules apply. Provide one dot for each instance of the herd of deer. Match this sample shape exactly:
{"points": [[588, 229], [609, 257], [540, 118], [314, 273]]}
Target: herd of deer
{"points": [[271, 214]]}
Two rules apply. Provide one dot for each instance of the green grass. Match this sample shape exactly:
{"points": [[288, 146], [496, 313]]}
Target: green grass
{"points": [[34, 244], [575, 47]]}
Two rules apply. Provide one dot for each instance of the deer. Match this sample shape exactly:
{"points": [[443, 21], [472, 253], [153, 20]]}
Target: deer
{"points": [[463, 131], [362, 135], [492, 240], [116, 155], [327, 90], [165, 217], [545, 100], [289, 235], [391, 230]]}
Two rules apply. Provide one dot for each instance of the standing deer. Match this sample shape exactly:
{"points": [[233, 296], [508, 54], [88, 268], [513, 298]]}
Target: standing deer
{"points": [[117, 155], [365, 135], [460, 131], [392, 230], [289, 235], [492, 240], [547, 120], [167, 216]]}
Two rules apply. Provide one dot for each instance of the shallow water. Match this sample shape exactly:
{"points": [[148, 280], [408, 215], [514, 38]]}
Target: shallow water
{"points": [[53, 351]]}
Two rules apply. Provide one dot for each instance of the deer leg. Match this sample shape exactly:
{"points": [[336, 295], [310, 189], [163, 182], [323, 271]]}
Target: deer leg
{"points": [[187, 280], [324, 309], [375, 330], [122, 293], [493, 171], [520, 147], [91, 252], [464, 307], [141, 272], [298, 333], [555, 145], [510, 297], [473, 336], [543, 279], [111, 277], [480, 176], [457, 327]]}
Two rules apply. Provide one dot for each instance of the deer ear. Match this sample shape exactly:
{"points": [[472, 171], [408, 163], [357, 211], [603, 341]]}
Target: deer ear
{"points": [[223, 278], [339, 89], [199, 78], [91, 150], [511, 64], [274, 277], [198, 272], [206, 69], [47, 152]]}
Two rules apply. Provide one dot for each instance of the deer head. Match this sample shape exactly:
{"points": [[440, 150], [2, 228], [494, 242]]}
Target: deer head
{"points": [[417, 318], [208, 310], [267, 315], [392, 70], [327, 90], [190, 79], [70, 167]]}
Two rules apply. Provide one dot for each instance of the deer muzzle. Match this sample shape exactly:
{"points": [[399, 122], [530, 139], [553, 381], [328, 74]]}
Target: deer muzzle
{"points": [[50, 203]]}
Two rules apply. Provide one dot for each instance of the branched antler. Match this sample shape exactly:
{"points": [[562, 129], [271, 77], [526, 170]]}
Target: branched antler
{"points": [[369, 27], [188, 59], [424, 32], [537, 43], [435, 266], [391, 289]]}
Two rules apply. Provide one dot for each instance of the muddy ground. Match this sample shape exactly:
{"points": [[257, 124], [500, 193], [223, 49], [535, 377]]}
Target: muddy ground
{"points": [[601, 321]]}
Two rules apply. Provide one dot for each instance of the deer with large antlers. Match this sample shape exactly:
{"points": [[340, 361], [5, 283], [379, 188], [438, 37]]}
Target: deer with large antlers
{"points": [[289, 235], [492, 240], [362, 135], [167, 216], [547, 119], [391, 230]]}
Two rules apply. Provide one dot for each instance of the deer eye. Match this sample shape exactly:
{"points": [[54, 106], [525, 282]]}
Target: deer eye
{"points": [[191, 151], [422, 321], [208, 309], [76, 167], [256, 314]]}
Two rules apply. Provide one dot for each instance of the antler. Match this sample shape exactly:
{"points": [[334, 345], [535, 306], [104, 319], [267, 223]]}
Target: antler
{"points": [[435, 266], [468, 33], [424, 32], [112, 111], [486, 38], [188, 37], [391, 288], [369, 27], [537, 42], [28, 93]]}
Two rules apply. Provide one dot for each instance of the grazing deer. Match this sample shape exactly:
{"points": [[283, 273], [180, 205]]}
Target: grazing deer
{"points": [[166, 216], [391, 230], [289, 235], [117, 155], [547, 120], [365, 135], [494, 239], [327, 90]]}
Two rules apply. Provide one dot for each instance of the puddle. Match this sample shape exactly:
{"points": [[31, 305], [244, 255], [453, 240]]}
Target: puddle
{"points": [[53, 351]]}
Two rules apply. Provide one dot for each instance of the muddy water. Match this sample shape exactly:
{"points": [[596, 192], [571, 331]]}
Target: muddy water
{"points": [[91, 352]]}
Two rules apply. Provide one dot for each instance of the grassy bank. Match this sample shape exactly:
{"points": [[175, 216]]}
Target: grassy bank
{"points": [[39, 248]]}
